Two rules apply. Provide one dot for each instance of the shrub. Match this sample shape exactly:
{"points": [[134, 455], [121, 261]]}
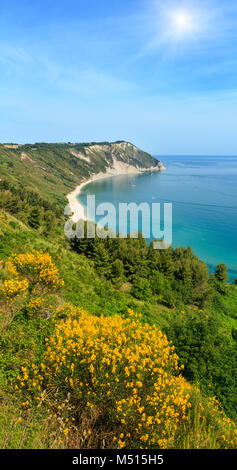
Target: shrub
{"points": [[141, 289], [116, 383], [208, 354], [12, 288], [120, 375], [38, 266]]}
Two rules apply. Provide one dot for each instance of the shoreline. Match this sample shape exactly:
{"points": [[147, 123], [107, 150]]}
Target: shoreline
{"points": [[75, 205]]}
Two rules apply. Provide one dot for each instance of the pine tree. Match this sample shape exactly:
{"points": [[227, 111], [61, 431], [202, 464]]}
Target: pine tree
{"points": [[221, 273], [101, 257], [34, 218], [50, 222], [117, 272]]}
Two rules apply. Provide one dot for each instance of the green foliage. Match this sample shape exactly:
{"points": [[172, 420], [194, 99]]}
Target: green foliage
{"points": [[208, 354], [221, 273], [206, 346], [174, 275], [161, 286], [34, 218], [54, 170], [117, 273], [171, 288], [141, 289], [30, 207], [24, 430]]}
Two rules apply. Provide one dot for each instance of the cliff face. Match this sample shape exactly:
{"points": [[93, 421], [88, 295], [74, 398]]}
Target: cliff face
{"points": [[55, 169], [116, 155]]}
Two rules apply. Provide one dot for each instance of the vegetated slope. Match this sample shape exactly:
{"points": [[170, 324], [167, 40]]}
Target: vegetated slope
{"points": [[56, 169], [170, 289], [75, 379], [161, 285]]}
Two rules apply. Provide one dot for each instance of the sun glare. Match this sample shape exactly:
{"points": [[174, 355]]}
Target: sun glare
{"points": [[183, 23]]}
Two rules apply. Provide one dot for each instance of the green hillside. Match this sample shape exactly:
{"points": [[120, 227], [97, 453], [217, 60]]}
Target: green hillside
{"points": [[203, 341], [53, 170], [105, 343]]}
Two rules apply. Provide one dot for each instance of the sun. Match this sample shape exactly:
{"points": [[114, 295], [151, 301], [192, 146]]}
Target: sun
{"points": [[183, 23]]}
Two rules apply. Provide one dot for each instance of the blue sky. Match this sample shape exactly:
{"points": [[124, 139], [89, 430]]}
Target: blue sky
{"points": [[160, 74]]}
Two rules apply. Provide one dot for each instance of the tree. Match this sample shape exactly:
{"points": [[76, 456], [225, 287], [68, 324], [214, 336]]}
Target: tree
{"points": [[101, 258], [221, 273], [141, 289], [208, 355], [117, 273], [50, 221], [34, 218], [166, 263]]}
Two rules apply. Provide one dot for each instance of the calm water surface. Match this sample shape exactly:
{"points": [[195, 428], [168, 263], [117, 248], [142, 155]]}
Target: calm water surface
{"points": [[203, 191]]}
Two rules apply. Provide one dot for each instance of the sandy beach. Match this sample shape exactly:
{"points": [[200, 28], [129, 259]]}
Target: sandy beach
{"points": [[119, 168]]}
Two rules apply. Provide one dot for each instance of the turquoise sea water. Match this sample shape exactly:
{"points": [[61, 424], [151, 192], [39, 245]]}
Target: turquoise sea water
{"points": [[203, 191]]}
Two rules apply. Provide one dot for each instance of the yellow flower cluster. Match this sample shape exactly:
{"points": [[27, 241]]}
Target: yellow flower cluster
{"points": [[228, 427], [11, 269], [3, 220], [34, 305], [38, 265], [208, 427], [13, 288], [127, 370]]}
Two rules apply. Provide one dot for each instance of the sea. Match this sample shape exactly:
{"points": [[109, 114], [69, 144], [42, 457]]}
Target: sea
{"points": [[203, 193]]}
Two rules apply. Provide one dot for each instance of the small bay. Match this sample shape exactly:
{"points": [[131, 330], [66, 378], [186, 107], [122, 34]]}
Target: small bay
{"points": [[203, 191]]}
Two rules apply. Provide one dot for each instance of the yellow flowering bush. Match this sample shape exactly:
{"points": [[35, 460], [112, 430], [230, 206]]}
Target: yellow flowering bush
{"points": [[34, 305], [38, 266], [114, 382], [11, 268], [116, 368], [13, 288]]}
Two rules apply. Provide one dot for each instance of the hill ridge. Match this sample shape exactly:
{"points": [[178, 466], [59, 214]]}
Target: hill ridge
{"points": [[59, 168]]}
